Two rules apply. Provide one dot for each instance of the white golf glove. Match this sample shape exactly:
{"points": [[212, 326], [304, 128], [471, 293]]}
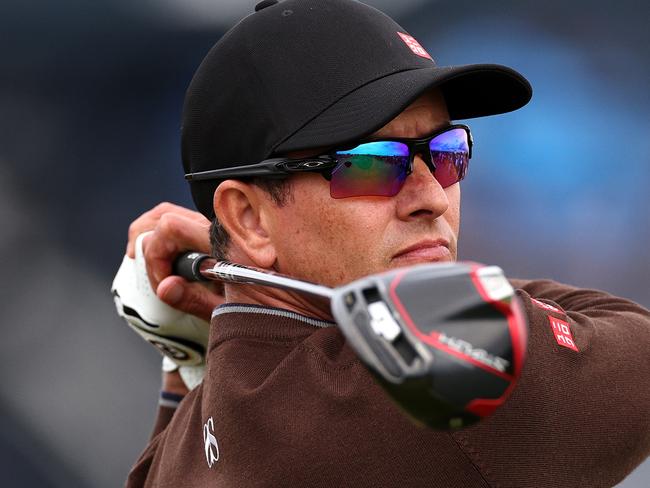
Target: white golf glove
{"points": [[180, 337]]}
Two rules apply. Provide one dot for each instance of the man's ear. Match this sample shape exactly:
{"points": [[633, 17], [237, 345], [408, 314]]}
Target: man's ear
{"points": [[242, 210]]}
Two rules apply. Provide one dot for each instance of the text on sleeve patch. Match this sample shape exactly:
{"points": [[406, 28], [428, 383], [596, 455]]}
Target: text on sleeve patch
{"points": [[562, 333]]}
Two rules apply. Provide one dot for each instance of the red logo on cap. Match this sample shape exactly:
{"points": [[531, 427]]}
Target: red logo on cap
{"points": [[415, 46], [562, 333]]}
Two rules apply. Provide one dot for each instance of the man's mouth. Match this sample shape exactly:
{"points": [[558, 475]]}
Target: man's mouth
{"points": [[424, 251]]}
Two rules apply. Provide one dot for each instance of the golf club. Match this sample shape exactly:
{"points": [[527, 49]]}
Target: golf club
{"points": [[447, 341]]}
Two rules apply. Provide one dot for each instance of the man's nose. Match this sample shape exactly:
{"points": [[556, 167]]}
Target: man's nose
{"points": [[421, 196]]}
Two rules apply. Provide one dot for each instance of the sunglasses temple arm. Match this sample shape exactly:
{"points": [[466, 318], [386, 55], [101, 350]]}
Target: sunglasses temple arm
{"points": [[265, 168]]}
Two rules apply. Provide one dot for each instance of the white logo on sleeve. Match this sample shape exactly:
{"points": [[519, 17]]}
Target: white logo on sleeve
{"points": [[210, 443]]}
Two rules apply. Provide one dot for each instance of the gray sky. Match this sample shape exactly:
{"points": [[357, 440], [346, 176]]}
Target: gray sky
{"points": [[224, 13]]}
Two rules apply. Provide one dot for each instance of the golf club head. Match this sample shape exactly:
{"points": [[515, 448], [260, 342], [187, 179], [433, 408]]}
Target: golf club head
{"points": [[447, 341]]}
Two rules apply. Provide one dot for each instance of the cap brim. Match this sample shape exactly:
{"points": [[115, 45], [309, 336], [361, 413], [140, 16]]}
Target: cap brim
{"points": [[470, 91]]}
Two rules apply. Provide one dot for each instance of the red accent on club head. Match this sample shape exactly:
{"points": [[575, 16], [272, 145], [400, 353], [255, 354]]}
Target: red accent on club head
{"points": [[515, 317], [484, 407], [433, 338], [519, 335]]}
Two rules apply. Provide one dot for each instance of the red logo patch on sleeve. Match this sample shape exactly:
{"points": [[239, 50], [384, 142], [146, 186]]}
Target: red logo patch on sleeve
{"points": [[562, 333], [415, 46], [546, 306]]}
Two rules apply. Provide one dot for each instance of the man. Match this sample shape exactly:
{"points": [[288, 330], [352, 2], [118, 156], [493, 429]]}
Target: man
{"points": [[284, 402]]}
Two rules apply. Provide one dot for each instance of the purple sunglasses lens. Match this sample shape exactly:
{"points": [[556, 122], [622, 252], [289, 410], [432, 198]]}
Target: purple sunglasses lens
{"points": [[450, 156], [380, 168], [371, 169]]}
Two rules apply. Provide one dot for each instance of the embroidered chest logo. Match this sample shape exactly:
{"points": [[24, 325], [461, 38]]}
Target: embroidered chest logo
{"points": [[210, 443], [562, 333], [415, 46]]}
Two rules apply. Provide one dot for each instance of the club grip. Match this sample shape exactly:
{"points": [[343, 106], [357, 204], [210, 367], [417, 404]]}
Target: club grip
{"points": [[188, 266]]}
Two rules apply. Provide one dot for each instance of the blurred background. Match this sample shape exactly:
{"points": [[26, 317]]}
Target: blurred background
{"points": [[90, 101]]}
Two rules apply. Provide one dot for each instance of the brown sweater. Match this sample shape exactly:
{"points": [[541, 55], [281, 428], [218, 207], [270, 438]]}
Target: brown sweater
{"points": [[291, 406]]}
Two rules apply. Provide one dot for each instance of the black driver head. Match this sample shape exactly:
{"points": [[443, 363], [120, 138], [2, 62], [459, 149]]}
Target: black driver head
{"points": [[446, 341]]}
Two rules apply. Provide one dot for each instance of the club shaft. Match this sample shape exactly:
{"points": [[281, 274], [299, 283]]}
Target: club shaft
{"points": [[211, 269]]}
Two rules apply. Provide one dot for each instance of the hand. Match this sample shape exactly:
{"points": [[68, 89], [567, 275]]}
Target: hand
{"points": [[174, 230]]}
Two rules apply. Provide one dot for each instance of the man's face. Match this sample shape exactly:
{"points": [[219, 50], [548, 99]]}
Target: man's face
{"points": [[334, 241]]}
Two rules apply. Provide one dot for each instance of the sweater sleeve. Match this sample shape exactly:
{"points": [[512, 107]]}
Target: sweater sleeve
{"points": [[167, 406], [139, 476], [580, 414], [163, 417]]}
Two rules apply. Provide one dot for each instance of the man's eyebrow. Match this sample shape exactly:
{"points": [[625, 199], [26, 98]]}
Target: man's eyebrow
{"points": [[437, 127]]}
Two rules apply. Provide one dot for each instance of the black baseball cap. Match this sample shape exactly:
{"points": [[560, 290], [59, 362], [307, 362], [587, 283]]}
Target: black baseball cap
{"points": [[302, 74]]}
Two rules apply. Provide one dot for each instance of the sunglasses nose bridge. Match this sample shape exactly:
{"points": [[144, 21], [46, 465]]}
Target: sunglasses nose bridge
{"points": [[421, 148]]}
